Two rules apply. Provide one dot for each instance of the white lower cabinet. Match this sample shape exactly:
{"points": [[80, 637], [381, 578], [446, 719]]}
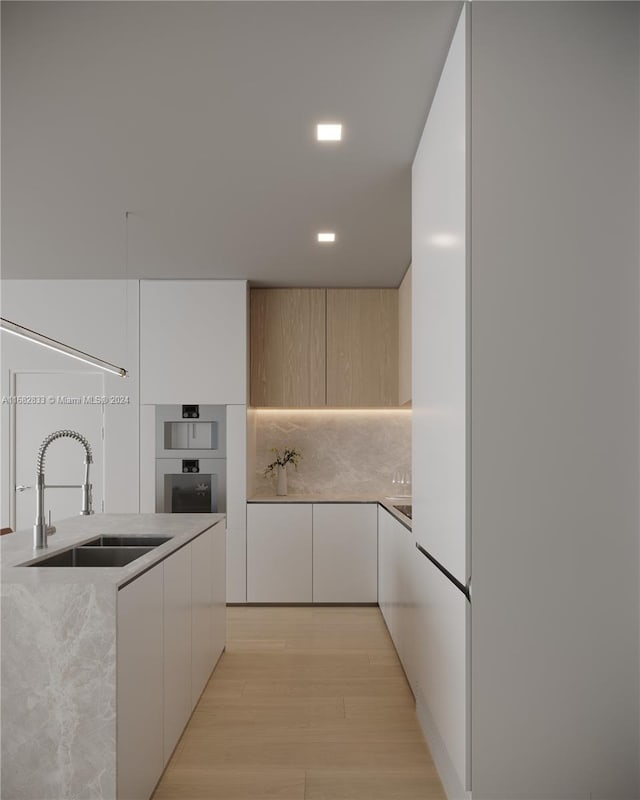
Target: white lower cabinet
{"points": [[171, 632], [279, 546], [427, 618], [397, 556], [345, 553], [139, 686], [304, 553], [177, 646]]}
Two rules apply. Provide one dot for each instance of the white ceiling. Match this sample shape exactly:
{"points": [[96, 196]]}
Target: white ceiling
{"points": [[198, 119]]}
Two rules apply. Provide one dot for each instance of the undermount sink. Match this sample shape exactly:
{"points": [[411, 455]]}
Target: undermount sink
{"points": [[103, 551], [92, 557], [128, 541]]}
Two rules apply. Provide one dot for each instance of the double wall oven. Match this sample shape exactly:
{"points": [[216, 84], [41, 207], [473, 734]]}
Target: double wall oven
{"points": [[191, 466]]}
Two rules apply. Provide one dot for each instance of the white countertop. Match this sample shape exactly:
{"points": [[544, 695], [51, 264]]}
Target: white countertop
{"points": [[17, 548]]}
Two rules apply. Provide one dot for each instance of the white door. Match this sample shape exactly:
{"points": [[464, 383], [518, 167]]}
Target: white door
{"points": [[64, 461]]}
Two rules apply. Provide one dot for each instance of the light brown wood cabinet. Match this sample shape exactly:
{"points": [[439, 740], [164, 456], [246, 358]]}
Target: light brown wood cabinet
{"points": [[288, 347], [324, 347], [362, 347]]}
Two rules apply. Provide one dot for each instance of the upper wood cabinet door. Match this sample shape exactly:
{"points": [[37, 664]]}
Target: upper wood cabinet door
{"points": [[288, 335], [362, 347]]}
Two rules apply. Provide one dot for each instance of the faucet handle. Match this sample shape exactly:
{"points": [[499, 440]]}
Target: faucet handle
{"points": [[50, 528]]}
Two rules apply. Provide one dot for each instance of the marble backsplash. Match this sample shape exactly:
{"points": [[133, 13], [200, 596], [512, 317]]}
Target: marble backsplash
{"points": [[343, 451]]}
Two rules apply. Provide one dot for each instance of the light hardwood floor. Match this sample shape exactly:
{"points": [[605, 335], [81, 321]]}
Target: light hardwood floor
{"points": [[305, 704]]}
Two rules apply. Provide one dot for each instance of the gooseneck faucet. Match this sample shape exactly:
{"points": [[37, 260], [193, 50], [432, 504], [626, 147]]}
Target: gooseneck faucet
{"points": [[40, 528]]}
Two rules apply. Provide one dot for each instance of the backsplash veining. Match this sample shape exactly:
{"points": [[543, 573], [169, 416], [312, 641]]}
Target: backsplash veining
{"points": [[343, 452]]}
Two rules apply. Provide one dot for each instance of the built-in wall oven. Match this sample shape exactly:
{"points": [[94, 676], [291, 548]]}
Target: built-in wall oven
{"points": [[191, 467]]}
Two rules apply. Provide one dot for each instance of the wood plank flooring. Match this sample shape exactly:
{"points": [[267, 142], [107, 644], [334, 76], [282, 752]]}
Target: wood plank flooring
{"points": [[307, 703]]}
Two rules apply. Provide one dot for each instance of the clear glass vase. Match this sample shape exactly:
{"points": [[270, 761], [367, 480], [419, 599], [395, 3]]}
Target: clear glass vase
{"points": [[281, 490]]}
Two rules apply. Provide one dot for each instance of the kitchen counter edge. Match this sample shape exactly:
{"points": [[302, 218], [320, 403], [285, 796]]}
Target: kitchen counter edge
{"points": [[387, 502], [16, 549]]}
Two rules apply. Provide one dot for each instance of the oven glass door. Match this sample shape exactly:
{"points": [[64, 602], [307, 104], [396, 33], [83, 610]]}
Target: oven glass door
{"points": [[190, 494], [191, 486]]}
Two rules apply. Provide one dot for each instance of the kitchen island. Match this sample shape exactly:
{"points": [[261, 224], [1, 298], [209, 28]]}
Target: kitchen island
{"points": [[102, 666]]}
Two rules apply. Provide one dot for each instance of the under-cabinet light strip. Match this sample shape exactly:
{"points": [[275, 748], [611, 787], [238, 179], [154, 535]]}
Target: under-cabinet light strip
{"points": [[323, 410], [52, 344]]}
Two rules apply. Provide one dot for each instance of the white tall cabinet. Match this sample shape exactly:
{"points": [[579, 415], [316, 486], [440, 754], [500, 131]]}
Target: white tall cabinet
{"points": [[236, 504], [440, 416], [193, 348], [525, 403]]}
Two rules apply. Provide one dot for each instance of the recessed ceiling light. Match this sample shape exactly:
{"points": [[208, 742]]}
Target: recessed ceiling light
{"points": [[327, 236], [329, 132]]}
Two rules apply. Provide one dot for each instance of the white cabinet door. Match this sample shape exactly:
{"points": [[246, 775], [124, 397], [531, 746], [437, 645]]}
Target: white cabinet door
{"points": [[193, 342], [201, 613], [345, 553], [439, 320], [279, 553], [440, 664], [177, 646], [139, 686], [405, 634], [218, 591], [397, 587]]}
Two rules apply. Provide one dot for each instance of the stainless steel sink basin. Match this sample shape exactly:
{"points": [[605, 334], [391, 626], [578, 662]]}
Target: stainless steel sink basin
{"points": [[128, 541], [92, 557]]}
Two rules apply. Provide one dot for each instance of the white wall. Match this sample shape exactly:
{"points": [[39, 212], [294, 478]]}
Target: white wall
{"points": [[101, 318], [555, 207]]}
